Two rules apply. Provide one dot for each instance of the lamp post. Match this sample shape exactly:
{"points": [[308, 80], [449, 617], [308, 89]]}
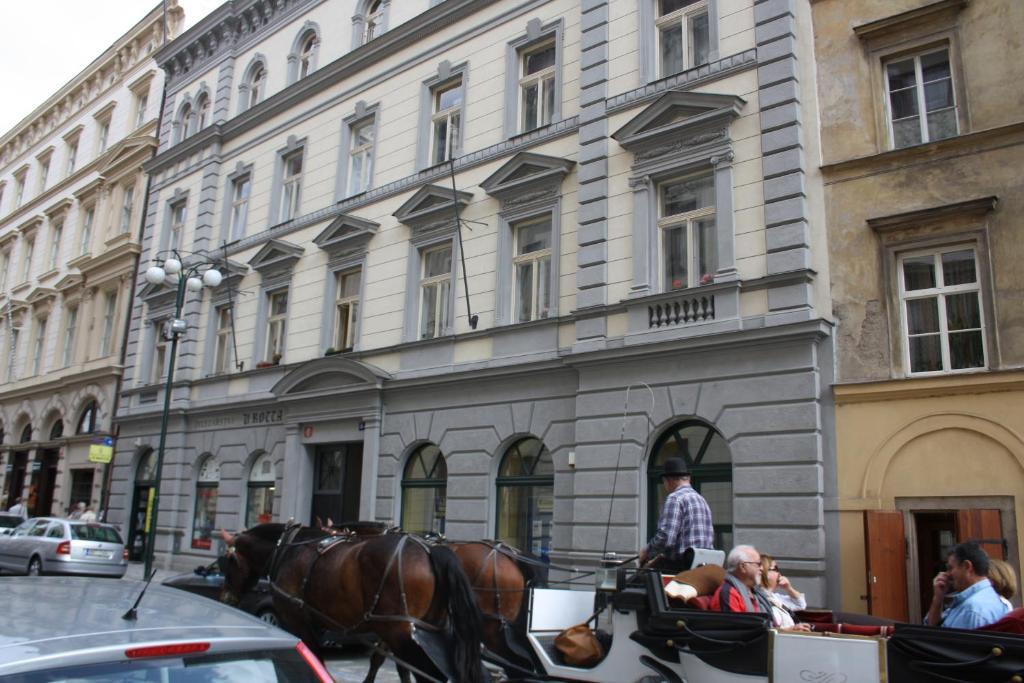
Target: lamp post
{"points": [[186, 278]]}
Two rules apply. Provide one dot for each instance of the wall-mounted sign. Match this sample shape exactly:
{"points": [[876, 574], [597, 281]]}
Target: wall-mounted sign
{"points": [[36, 466], [263, 417], [102, 450], [251, 418], [362, 426]]}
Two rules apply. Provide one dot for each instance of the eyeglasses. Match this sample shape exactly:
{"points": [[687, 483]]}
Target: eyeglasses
{"points": [[775, 569], [757, 562]]}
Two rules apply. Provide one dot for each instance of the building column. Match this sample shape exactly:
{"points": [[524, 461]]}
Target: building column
{"points": [[297, 477], [642, 247], [725, 243], [371, 460]]}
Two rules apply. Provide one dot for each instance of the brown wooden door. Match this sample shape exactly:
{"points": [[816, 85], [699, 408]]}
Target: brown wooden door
{"points": [[885, 551], [984, 527]]}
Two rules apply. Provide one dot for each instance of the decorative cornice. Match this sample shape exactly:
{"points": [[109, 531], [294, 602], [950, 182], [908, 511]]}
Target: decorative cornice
{"points": [[431, 207], [903, 20], [276, 255], [527, 174], [346, 234], [932, 214], [957, 384], [677, 120]]}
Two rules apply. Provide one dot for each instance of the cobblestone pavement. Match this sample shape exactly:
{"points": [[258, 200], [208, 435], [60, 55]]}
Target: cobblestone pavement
{"points": [[352, 664]]}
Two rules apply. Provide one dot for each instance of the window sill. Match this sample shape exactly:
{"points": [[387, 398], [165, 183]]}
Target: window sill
{"points": [[80, 260], [119, 238]]}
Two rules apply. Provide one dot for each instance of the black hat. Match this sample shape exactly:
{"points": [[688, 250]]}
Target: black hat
{"points": [[675, 467]]}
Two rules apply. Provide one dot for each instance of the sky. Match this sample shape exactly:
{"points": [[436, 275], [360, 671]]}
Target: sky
{"points": [[46, 43]]}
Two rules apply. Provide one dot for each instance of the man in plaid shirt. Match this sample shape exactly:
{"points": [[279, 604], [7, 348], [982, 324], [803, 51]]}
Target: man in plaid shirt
{"points": [[685, 521]]}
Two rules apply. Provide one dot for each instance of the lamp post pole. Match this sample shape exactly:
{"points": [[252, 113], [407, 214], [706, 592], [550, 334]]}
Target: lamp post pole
{"points": [[187, 281]]}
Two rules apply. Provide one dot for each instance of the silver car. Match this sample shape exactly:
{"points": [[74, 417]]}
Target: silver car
{"points": [[50, 545], [74, 629]]}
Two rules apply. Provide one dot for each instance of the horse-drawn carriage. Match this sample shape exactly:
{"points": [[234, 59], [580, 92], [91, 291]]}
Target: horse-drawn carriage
{"points": [[441, 608]]}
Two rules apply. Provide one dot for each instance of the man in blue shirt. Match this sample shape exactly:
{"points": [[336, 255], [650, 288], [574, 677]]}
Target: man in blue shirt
{"points": [[975, 602], [685, 521]]}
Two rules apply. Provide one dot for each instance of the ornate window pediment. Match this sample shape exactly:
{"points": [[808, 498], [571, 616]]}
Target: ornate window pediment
{"points": [[679, 120], [276, 256], [346, 234], [431, 208], [68, 282], [40, 295], [526, 177]]}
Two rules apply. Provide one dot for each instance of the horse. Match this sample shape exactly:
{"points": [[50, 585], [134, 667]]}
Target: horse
{"points": [[392, 585]]}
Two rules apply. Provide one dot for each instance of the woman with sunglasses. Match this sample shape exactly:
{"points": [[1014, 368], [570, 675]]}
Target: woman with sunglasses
{"points": [[784, 599]]}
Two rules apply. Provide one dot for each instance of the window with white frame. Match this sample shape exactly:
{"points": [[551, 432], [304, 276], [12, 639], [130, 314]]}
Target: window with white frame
{"points": [[72, 156], [185, 122], [56, 234], [374, 25], [85, 238], [306, 53], [921, 102], [109, 313], [257, 82], [127, 204], [37, 359], [291, 185], [141, 102], [435, 286], [222, 350], [19, 188], [346, 308], [361, 157], [532, 266], [446, 121], [102, 135], [941, 304], [202, 112], [686, 221], [683, 36], [44, 172], [240, 189], [5, 268], [159, 366], [177, 227], [277, 319], [259, 503], [30, 248], [70, 330], [537, 86]]}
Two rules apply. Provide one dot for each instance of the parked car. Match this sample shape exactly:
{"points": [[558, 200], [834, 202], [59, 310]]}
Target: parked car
{"points": [[9, 522], [51, 545], [206, 580], [73, 628]]}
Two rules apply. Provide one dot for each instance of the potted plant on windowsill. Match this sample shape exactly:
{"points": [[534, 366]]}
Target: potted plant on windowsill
{"points": [[275, 360]]}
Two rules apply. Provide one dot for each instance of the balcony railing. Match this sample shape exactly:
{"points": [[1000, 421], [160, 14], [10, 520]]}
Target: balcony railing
{"points": [[684, 310]]}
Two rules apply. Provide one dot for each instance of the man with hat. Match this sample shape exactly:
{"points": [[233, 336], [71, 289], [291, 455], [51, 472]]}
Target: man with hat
{"points": [[685, 521]]}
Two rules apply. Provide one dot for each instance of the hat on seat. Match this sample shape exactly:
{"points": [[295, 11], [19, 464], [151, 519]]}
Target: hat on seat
{"points": [[675, 467]]}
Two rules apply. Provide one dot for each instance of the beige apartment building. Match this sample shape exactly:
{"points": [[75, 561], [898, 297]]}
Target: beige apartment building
{"points": [[922, 134], [72, 197]]}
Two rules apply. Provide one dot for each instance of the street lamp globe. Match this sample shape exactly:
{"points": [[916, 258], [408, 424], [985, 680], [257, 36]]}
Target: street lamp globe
{"points": [[155, 275], [172, 266], [194, 284], [212, 278]]}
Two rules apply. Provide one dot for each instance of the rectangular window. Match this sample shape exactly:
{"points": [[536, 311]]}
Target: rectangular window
{"points": [[159, 367], [30, 248], [85, 239], [277, 318], [178, 217], [532, 265], [360, 158], [346, 309], [921, 103], [127, 203], [72, 156], [446, 121], [222, 353], [435, 285], [102, 135], [55, 238], [19, 189], [141, 102], [240, 189], [686, 219], [942, 314], [37, 359], [682, 34], [537, 87], [70, 328], [44, 173], [109, 310], [291, 181], [5, 268]]}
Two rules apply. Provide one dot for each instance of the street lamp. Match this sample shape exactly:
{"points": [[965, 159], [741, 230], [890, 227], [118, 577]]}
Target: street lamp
{"points": [[190, 277]]}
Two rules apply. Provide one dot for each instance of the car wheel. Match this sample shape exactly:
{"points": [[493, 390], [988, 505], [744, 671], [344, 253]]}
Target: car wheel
{"points": [[269, 616], [35, 567]]}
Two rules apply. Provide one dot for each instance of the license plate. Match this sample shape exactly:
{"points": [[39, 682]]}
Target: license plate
{"points": [[104, 554]]}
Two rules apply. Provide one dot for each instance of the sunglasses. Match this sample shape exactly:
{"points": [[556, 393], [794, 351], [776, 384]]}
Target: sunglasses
{"points": [[775, 569]]}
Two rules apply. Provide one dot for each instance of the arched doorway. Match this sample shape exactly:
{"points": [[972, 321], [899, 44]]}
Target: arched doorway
{"points": [[145, 476], [710, 462], [18, 468]]}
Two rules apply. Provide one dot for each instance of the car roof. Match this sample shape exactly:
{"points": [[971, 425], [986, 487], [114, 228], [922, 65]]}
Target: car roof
{"points": [[57, 621]]}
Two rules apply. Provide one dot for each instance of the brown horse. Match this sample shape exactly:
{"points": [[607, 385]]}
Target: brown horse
{"points": [[391, 585]]}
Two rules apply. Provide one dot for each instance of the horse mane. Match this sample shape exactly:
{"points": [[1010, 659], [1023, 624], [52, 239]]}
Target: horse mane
{"points": [[268, 531]]}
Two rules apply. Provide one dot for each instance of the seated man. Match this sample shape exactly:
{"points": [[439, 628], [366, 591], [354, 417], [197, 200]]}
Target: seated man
{"points": [[743, 574], [975, 602]]}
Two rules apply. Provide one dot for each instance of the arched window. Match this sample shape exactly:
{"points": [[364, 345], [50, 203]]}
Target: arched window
{"points": [[205, 519], [185, 122], [146, 471], [87, 420], [259, 505], [710, 463], [526, 497], [57, 430], [424, 491], [257, 81], [370, 20], [307, 51], [26, 434], [202, 112]]}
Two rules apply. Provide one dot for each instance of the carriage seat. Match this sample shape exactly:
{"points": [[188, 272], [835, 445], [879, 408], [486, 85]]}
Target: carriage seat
{"points": [[701, 581], [1012, 622]]}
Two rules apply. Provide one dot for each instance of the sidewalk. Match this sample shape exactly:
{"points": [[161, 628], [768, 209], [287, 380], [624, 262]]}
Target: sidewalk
{"points": [[135, 573]]}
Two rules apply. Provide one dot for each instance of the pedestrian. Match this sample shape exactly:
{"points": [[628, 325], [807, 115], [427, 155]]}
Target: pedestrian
{"points": [[88, 515], [975, 602], [685, 522], [77, 512], [19, 508]]}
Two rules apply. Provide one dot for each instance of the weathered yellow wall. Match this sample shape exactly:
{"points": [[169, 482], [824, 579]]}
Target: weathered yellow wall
{"points": [[906, 439]]}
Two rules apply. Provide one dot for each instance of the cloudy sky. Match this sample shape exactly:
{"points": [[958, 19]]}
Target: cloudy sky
{"points": [[45, 43]]}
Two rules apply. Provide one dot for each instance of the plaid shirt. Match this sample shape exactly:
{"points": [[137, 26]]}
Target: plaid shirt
{"points": [[685, 523]]}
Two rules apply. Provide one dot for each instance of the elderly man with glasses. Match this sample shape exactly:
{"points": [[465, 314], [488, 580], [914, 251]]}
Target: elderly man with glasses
{"points": [[742, 575]]}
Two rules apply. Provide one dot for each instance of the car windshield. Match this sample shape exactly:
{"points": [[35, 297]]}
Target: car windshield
{"points": [[273, 666], [94, 532]]}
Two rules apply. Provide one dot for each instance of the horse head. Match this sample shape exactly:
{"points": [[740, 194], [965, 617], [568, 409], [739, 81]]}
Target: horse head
{"points": [[247, 559]]}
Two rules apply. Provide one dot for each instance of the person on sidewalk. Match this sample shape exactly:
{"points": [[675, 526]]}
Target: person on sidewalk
{"points": [[88, 515], [975, 601], [685, 522], [19, 508]]}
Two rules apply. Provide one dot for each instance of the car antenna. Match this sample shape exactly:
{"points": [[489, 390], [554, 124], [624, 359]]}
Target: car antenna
{"points": [[132, 614]]}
